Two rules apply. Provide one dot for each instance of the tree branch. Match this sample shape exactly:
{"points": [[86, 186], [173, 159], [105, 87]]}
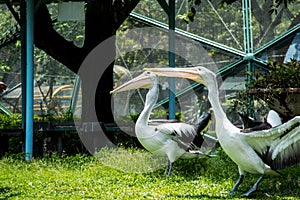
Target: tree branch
{"points": [[295, 21], [55, 45], [258, 12], [103, 18], [98, 23], [121, 10]]}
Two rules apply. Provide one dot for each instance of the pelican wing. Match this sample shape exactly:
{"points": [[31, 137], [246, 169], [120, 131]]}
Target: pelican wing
{"points": [[287, 151], [279, 147], [177, 129], [182, 133]]}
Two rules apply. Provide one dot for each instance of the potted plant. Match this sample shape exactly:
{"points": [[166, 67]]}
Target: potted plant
{"points": [[279, 88]]}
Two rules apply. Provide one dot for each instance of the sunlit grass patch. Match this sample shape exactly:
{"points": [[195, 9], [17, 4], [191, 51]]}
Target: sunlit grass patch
{"points": [[134, 161], [87, 177]]}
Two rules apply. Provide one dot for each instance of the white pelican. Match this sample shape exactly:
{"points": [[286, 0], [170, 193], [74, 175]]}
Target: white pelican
{"points": [[174, 140], [258, 152]]}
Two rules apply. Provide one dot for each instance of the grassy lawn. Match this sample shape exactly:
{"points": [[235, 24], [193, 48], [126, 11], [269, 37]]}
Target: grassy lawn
{"points": [[114, 175]]}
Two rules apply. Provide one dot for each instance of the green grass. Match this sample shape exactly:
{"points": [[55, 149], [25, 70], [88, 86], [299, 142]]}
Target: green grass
{"points": [[114, 175]]}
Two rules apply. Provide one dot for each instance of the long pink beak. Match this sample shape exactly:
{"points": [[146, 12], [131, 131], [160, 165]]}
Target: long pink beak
{"points": [[141, 81], [188, 72]]}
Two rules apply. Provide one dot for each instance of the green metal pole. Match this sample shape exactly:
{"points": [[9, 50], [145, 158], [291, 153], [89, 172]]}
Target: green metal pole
{"points": [[74, 95], [248, 46], [172, 58], [23, 59], [29, 79]]}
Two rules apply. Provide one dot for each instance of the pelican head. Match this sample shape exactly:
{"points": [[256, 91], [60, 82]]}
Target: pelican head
{"points": [[145, 80], [198, 74]]}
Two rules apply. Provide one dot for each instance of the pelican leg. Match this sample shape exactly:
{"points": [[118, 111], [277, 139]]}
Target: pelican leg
{"points": [[254, 187], [169, 168], [238, 183]]}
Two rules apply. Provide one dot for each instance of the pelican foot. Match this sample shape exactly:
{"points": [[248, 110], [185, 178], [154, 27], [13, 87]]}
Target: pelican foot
{"points": [[236, 186], [231, 192], [247, 194], [254, 187], [200, 153]]}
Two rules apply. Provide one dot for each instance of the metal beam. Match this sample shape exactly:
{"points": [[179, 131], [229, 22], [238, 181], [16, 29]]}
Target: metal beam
{"points": [[248, 40], [23, 58], [170, 10], [248, 45], [224, 71], [197, 38], [278, 40]]}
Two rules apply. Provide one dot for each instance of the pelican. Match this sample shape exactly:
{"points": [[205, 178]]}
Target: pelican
{"points": [[259, 152], [174, 140]]}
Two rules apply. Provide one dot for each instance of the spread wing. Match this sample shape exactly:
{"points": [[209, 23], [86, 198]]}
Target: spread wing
{"points": [[279, 147], [184, 134]]}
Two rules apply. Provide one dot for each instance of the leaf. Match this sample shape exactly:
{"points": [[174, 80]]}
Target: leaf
{"points": [[249, 73], [79, 36]]}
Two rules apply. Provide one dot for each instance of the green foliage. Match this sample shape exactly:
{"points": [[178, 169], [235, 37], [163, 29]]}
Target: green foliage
{"points": [[4, 68], [189, 16], [71, 141], [241, 103], [123, 139], [275, 82], [10, 122], [159, 114], [49, 117], [224, 2], [85, 177], [278, 76], [277, 3]]}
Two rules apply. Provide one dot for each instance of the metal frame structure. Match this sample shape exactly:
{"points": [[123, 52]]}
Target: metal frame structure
{"points": [[248, 56], [170, 10]]}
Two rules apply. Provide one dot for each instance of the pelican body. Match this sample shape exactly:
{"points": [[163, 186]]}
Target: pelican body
{"points": [[174, 140], [258, 152]]}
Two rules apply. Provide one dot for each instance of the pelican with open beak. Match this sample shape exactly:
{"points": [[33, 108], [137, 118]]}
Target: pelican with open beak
{"points": [[258, 152], [174, 140]]}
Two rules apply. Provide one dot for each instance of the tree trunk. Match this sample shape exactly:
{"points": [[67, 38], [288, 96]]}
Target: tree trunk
{"points": [[103, 18], [99, 27]]}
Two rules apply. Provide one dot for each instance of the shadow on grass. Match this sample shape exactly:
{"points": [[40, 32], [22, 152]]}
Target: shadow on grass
{"points": [[258, 195], [196, 197], [7, 192]]}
